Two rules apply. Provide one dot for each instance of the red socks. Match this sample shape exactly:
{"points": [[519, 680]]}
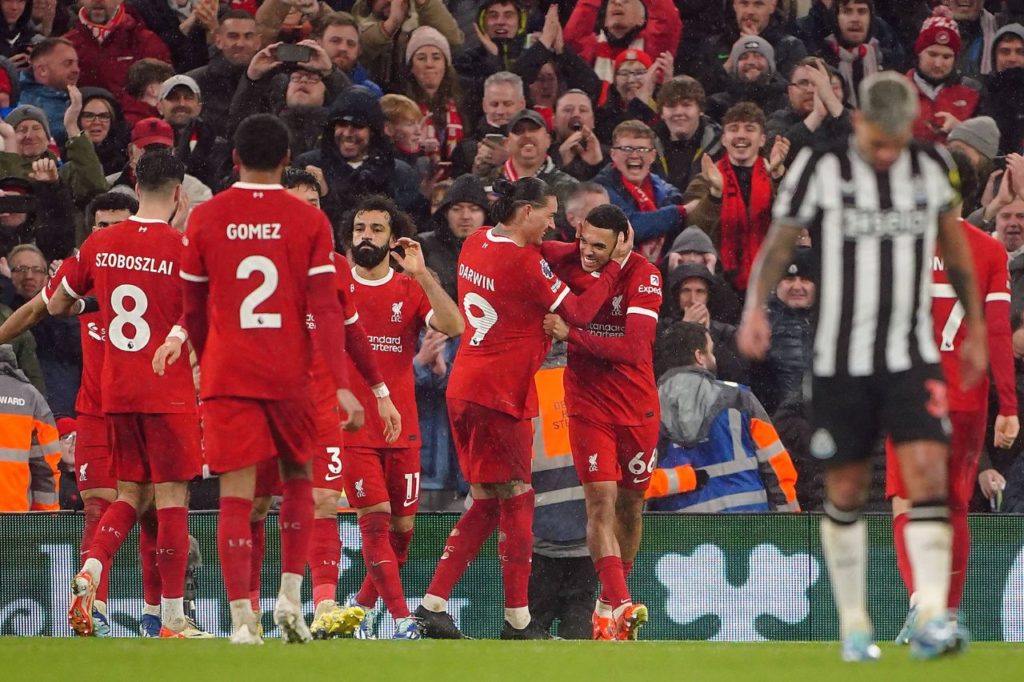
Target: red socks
{"points": [[627, 568], [381, 562], [259, 545], [899, 526], [324, 554], [515, 547], [111, 532], [463, 544], [400, 541], [172, 550], [611, 573], [296, 523], [234, 545], [961, 552], [95, 507]]}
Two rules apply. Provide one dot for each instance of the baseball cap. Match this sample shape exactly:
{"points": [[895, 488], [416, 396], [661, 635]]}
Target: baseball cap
{"points": [[175, 81], [530, 115], [152, 131]]}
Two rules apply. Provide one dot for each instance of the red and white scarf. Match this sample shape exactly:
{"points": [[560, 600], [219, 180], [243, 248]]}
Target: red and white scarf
{"points": [[869, 55], [605, 55], [643, 198], [102, 31], [452, 134]]}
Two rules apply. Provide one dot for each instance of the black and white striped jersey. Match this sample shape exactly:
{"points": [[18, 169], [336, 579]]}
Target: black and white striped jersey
{"points": [[873, 237]]}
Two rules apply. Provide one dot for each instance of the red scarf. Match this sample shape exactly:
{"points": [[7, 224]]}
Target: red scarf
{"points": [[643, 198], [605, 54], [102, 31], [743, 227], [452, 134]]}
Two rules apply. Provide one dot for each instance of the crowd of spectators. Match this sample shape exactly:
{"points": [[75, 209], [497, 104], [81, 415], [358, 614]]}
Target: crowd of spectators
{"points": [[684, 113]]}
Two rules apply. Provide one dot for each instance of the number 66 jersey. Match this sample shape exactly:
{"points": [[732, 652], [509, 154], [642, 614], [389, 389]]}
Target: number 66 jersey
{"points": [[132, 268]]}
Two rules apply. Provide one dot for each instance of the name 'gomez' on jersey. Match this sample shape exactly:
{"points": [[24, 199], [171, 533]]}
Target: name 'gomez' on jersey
{"points": [[132, 268], [257, 246], [873, 235], [504, 292]]}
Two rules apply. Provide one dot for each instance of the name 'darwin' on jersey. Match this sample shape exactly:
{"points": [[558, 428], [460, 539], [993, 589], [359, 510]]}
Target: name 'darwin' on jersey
{"points": [[138, 263], [476, 278]]}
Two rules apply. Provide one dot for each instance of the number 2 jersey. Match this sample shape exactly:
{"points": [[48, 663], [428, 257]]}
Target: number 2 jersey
{"points": [[132, 268], [505, 291], [990, 270], [256, 246]]}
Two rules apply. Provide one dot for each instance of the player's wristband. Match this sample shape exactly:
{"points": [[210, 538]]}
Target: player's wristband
{"points": [[380, 391], [178, 332]]}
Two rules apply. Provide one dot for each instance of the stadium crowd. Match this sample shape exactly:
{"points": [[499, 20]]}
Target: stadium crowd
{"points": [[683, 114]]}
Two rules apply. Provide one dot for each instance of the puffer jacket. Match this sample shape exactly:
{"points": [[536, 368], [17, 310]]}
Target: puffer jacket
{"points": [[106, 65], [780, 375]]}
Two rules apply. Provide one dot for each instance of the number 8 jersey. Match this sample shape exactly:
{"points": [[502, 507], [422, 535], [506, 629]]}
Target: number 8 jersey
{"points": [[132, 268], [504, 292], [256, 246]]}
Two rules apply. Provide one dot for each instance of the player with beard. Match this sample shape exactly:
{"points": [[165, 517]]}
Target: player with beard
{"points": [[382, 474], [612, 402], [505, 290]]}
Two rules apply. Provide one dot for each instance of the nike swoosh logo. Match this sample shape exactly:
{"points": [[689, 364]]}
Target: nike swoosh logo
{"points": [[641, 480], [409, 503], [334, 477], [375, 564]]}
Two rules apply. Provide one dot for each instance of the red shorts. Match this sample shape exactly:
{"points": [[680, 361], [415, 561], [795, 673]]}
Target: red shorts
{"points": [[155, 448], [493, 447], [611, 452], [327, 466], [387, 475], [241, 432], [94, 465], [964, 451]]}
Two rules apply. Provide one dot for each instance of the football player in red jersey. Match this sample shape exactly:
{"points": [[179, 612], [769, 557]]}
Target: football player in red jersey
{"points": [[382, 476], [132, 268], [968, 408], [505, 290], [612, 401], [257, 262]]}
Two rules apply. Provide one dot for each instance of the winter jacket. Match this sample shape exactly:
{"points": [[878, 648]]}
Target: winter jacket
{"points": [[780, 375], [17, 39], [770, 95], [54, 102], [113, 150], [820, 22], [106, 65], [679, 160], [1003, 99], [29, 478], [715, 52], [218, 81], [187, 51], [666, 221], [572, 70], [51, 227], [610, 112], [721, 429], [790, 124], [24, 346], [379, 172], [957, 95], [384, 55], [81, 171], [584, 32], [441, 247], [731, 365], [206, 155], [59, 349]]}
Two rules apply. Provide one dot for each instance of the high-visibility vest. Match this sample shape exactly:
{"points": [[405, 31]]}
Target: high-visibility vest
{"points": [[29, 478]]}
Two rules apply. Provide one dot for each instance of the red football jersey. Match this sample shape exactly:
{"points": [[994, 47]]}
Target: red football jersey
{"points": [[504, 292], [393, 310], [598, 385], [132, 268], [93, 335], [257, 246], [324, 391], [990, 269]]}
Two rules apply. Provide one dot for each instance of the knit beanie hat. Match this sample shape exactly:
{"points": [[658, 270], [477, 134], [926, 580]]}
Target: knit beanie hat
{"points": [[28, 112], [692, 239], [632, 56], [424, 36], [752, 44], [980, 133], [938, 29]]}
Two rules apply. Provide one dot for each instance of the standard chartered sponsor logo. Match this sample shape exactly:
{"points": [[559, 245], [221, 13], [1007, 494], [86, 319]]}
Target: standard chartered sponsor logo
{"points": [[698, 586]]}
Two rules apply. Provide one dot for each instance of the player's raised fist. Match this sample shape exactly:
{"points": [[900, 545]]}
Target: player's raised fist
{"points": [[555, 327]]}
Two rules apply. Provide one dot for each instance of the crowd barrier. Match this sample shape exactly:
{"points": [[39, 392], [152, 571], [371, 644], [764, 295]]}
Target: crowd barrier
{"points": [[715, 577]]}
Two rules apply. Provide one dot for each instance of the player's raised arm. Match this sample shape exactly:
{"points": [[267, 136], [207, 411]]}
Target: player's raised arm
{"points": [[446, 319]]}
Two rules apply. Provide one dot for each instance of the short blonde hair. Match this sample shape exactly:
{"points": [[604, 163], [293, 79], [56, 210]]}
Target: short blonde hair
{"points": [[398, 108]]}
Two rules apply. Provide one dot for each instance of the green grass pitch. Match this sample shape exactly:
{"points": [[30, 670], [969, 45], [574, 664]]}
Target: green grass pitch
{"points": [[78, 660]]}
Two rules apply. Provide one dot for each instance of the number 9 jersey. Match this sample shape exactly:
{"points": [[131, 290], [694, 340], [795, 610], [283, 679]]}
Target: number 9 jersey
{"points": [[504, 292], [132, 268], [256, 246]]}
